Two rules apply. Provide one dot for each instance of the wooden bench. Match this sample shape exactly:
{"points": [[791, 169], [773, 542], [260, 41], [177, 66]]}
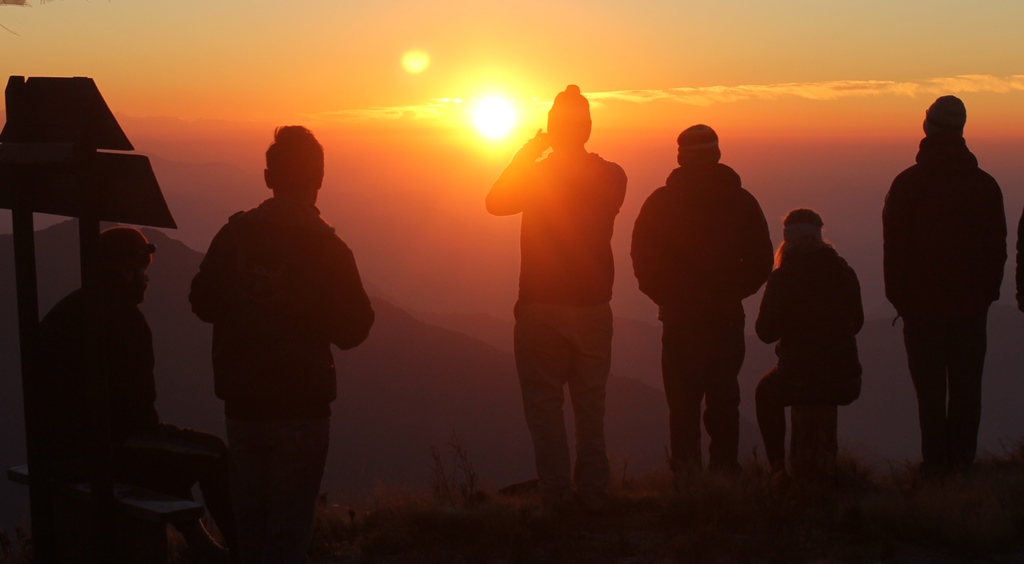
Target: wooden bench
{"points": [[813, 444], [142, 519]]}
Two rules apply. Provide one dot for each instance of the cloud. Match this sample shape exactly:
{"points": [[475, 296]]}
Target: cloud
{"points": [[432, 109], [708, 95], [832, 90]]}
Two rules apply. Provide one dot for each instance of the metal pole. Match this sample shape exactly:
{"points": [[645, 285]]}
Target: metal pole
{"points": [[40, 504]]}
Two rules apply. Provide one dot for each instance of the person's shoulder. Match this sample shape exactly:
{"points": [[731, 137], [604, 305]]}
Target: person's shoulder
{"points": [[662, 194], [66, 312], [609, 168], [746, 199], [237, 221], [985, 178], [907, 177]]}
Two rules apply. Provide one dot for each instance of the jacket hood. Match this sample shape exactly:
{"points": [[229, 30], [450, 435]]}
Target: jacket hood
{"points": [[946, 151], [700, 174]]}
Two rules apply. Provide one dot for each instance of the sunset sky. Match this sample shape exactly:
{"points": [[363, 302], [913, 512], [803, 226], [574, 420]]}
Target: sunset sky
{"points": [[802, 67], [419, 105]]}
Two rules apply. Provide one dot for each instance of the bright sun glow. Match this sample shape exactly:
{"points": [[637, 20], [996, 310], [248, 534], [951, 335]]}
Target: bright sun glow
{"points": [[415, 62], [494, 117]]}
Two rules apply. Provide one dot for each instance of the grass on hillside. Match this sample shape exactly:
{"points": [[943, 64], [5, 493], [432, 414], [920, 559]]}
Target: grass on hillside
{"points": [[867, 516]]}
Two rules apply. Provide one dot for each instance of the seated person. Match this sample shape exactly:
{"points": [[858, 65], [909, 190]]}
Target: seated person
{"points": [[812, 307], [147, 453]]}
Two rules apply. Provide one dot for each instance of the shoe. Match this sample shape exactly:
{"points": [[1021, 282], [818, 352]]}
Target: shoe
{"points": [[592, 502], [780, 480]]}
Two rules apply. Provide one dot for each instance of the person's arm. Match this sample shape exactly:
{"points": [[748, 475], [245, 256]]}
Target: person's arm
{"points": [[206, 296], [896, 251], [995, 242], [647, 250], [509, 194], [1020, 263], [350, 316], [857, 306], [769, 318], [757, 256]]}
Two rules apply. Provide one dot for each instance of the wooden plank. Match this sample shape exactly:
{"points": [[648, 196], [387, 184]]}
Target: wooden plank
{"points": [[60, 109], [36, 154], [132, 501]]}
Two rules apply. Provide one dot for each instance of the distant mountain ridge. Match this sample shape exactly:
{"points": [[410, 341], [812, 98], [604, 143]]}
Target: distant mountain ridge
{"points": [[410, 386], [414, 384]]}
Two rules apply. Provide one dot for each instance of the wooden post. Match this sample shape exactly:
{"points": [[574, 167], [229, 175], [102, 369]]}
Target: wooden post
{"points": [[49, 164], [40, 501]]}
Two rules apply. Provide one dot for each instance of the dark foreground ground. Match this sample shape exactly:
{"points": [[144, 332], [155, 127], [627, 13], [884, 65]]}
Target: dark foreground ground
{"points": [[865, 517]]}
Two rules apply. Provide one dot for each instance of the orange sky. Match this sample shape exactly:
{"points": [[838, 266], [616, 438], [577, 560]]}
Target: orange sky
{"points": [[799, 92], [793, 67]]}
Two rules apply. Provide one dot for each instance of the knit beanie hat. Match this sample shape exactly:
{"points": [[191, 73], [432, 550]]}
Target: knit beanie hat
{"points": [[699, 142], [946, 114], [569, 117], [125, 248]]}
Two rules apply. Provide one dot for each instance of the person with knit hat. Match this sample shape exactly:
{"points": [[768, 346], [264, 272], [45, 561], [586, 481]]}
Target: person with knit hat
{"points": [[147, 452], [563, 327], [812, 308], [944, 243], [700, 247]]}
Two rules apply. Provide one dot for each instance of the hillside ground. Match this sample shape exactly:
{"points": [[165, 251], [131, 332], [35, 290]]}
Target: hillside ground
{"points": [[867, 516]]}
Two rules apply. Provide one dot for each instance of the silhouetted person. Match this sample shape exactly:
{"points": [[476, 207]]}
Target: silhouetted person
{"points": [[147, 453], [944, 233], [563, 329], [280, 288], [700, 246], [812, 307], [1020, 263]]}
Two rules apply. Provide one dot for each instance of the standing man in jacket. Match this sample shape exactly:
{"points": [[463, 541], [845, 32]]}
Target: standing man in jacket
{"points": [[944, 233], [280, 288], [700, 246], [563, 329]]}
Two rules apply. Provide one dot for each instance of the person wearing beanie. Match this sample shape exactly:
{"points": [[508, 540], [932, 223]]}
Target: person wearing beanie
{"points": [[812, 308], [280, 287], [147, 452], [944, 243], [700, 246], [563, 327]]}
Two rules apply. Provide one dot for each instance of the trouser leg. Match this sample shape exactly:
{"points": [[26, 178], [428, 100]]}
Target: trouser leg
{"points": [[295, 479], [722, 399], [926, 357], [542, 362], [680, 369], [771, 419], [588, 380], [251, 456], [280, 465], [967, 346]]}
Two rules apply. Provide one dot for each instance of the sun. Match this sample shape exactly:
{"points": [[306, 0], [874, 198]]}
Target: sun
{"points": [[494, 117], [415, 62]]}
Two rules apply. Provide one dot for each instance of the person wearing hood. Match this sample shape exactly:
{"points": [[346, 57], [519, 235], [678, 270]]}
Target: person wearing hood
{"points": [[944, 239], [700, 246], [563, 327], [280, 287], [812, 308]]}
